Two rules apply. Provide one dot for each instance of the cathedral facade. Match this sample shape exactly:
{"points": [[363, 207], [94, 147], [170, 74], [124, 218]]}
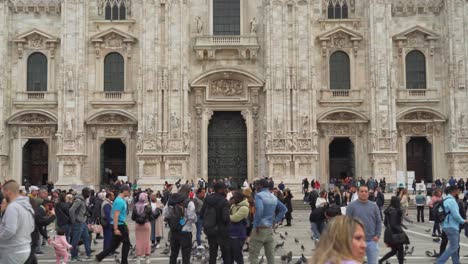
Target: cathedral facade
{"points": [[160, 90]]}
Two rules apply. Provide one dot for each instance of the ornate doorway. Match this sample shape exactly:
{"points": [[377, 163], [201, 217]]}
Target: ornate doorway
{"points": [[113, 159], [227, 146], [35, 162], [419, 158], [342, 163]]}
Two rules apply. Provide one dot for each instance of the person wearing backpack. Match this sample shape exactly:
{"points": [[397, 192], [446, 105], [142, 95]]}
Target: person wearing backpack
{"points": [[436, 197], [269, 212], [239, 214], [448, 213], [394, 236], [79, 216], [106, 218], [215, 214], [180, 215], [142, 215]]}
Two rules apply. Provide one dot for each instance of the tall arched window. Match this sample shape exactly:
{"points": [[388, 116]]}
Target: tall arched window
{"points": [[114, 70], [415, 70], [37, 72], [339, 71], [226, 17], [115, 10], [337, 9]]}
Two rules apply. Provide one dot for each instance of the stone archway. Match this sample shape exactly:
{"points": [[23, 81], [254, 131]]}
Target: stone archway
{"points": [[225, 90], [116, 126], [342, 123]]}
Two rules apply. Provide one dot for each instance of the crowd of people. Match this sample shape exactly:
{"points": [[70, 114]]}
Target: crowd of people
{"points": [[347, 222]]}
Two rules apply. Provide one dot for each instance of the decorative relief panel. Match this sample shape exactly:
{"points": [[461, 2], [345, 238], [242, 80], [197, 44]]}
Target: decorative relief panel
{"points": [[402, 8], [69, 171], [339, 38], [36, 6], [36, 40], [175, 170], [416, 37], [37, 131], [113, 40], [227, 89], [150, 169]]}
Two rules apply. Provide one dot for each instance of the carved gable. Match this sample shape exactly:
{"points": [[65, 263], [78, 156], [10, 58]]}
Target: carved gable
{"points": [[32, 119], [343, 117], [416, 37], [340, 38], [36, 40], [112, 40], [111, 119], [421, 116]]}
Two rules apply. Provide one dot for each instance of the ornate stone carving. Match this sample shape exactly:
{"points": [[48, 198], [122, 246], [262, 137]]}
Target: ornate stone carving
{"points": [[37, 6], [340, 38], [279, 144], [186, 138], [149, 169], [69, 171], [112, 130], [420, 116], [112, 41], [198, 25], [279, 170], [342, 116], [112, 118], [292, 141], [175, 170], [304, 144], [253, 26], [36, 40], [36, 131], [174, 145], [227, 87], [268, 141], [415, 7]]}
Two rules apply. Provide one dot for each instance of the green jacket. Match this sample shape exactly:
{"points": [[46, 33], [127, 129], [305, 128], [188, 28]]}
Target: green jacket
{"points": [[239, 211]]}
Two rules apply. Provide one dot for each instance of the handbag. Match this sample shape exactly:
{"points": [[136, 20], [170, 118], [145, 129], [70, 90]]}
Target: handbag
{"points": [[399, 238]]}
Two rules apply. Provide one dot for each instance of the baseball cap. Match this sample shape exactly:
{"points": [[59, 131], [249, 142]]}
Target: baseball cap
{"points": [[33, 188]]}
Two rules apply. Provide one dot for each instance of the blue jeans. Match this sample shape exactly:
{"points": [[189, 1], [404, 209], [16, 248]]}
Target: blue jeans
{"points": [[316, 230], [199, 231], [80, 230], [452, 250], [372, 252]]}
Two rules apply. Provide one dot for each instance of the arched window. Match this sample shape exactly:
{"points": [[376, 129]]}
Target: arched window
{"points": [[114, 72], [115, 10], [415, 70], [37, 72], [337, 9], [226, 17], [339, 71]]}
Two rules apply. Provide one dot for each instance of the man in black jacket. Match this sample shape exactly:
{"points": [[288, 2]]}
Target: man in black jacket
{"points": [[380, 200], [215, 214]]}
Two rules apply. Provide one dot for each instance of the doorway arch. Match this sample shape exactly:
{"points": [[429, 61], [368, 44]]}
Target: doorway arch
{"points": [[113, 160], [35, 162], [342, 158], [419, 158]]}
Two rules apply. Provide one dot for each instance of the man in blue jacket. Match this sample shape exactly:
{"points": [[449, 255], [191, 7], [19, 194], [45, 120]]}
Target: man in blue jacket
{"points": [[451, 226], [268, 212]]}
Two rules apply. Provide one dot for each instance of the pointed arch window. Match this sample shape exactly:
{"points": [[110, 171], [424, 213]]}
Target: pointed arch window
{"points": [[337, 9], [116, 9], [226, 17], [340, 71], [415, 70], [114, 70], [37, 72]]}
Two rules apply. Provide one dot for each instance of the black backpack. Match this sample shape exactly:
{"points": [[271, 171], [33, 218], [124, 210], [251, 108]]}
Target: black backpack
{"points": [[438, 211], [176, 216], [140, 219], [210, 225]]}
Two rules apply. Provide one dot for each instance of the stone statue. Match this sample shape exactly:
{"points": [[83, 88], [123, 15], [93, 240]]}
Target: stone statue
{"points": [[253, 26], [198, 25], [267, 141], [69, 123], [186, 140], [139, 143], [174, 120]]}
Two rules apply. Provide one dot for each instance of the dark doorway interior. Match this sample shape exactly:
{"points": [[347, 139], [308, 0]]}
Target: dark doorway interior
{"points": [[342, 162], [227, 147], [419, 158], [113, 158], [36, 162]]}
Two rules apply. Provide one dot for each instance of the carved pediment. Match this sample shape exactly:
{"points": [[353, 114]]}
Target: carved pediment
{"points": [[36, 39], [111, 118], [113, 39], [416, 37], [30, 118], [339, 38], [343, 116], [416, 30], [421, 116]]}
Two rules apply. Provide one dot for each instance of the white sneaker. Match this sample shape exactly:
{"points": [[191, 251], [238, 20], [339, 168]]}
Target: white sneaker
{"points": [[138, 261], [147, 260], [201, 247], [158, 246]]}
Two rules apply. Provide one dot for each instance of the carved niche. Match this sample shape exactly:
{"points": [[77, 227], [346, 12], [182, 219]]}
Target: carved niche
{"points": [[339, 38], [36, 40], [113, 40]]}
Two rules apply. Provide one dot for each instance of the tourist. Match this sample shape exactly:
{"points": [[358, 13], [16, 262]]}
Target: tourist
{"points": [[106, 219], [287, 200], [248, 194], [215, 214], [451, 226], [78, 216], [404, 200], [319, 217], [436, 197], [63, 216], [142, 215], [379, 200], [369, 214], [198, 201], [383, 184], [337, 196], [305, 186], [120, 227], [281, 186], [239, 214], [157, 222], [16, 225], [342, 242], [269, 211], [420, 201], [61, 246], [322, 200], [394, 236]]}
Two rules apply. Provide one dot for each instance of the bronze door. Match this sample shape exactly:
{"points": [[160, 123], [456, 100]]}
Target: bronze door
{"points": [[419, 158], [227, 147], [36, 162]]}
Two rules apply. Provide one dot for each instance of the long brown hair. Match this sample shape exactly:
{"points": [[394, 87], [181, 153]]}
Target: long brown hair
{"points": [[336, 242]]}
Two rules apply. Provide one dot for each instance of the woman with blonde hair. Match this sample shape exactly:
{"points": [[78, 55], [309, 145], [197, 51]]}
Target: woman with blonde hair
{"points": [[342, 242]]}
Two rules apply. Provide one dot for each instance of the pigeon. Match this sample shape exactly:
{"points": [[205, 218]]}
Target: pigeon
{"points": [[166, 251], [296, 240], [262, 259], [428, 230], [287, 257], [282, 237], [302, 247], [409, 252], [302, 259], [286, 233], [436, 240], [167, 245], [280, 245]]}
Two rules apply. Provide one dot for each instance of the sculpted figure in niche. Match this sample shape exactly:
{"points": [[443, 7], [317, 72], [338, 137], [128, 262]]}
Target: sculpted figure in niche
{"points": [[174, 120], [198, 25], [186, 140], [253, 26]]}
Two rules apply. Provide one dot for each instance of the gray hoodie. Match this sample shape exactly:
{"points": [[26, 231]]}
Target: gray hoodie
{"points": [[16, 226], [78, 210]]}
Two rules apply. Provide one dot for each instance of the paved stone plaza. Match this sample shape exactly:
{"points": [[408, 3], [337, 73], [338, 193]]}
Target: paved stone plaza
{"points": [[420, 239]]}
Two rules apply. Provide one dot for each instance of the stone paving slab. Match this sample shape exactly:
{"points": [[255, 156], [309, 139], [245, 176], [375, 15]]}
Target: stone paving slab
{"points": [[420, 239]]}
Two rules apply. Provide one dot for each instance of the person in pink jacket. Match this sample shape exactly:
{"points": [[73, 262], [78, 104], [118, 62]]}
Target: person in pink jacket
{"points": [[61, 246]]}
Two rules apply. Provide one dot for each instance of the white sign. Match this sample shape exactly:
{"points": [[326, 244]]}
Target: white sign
{"points": [[122, 178], [401, 179], [410, 176]]}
